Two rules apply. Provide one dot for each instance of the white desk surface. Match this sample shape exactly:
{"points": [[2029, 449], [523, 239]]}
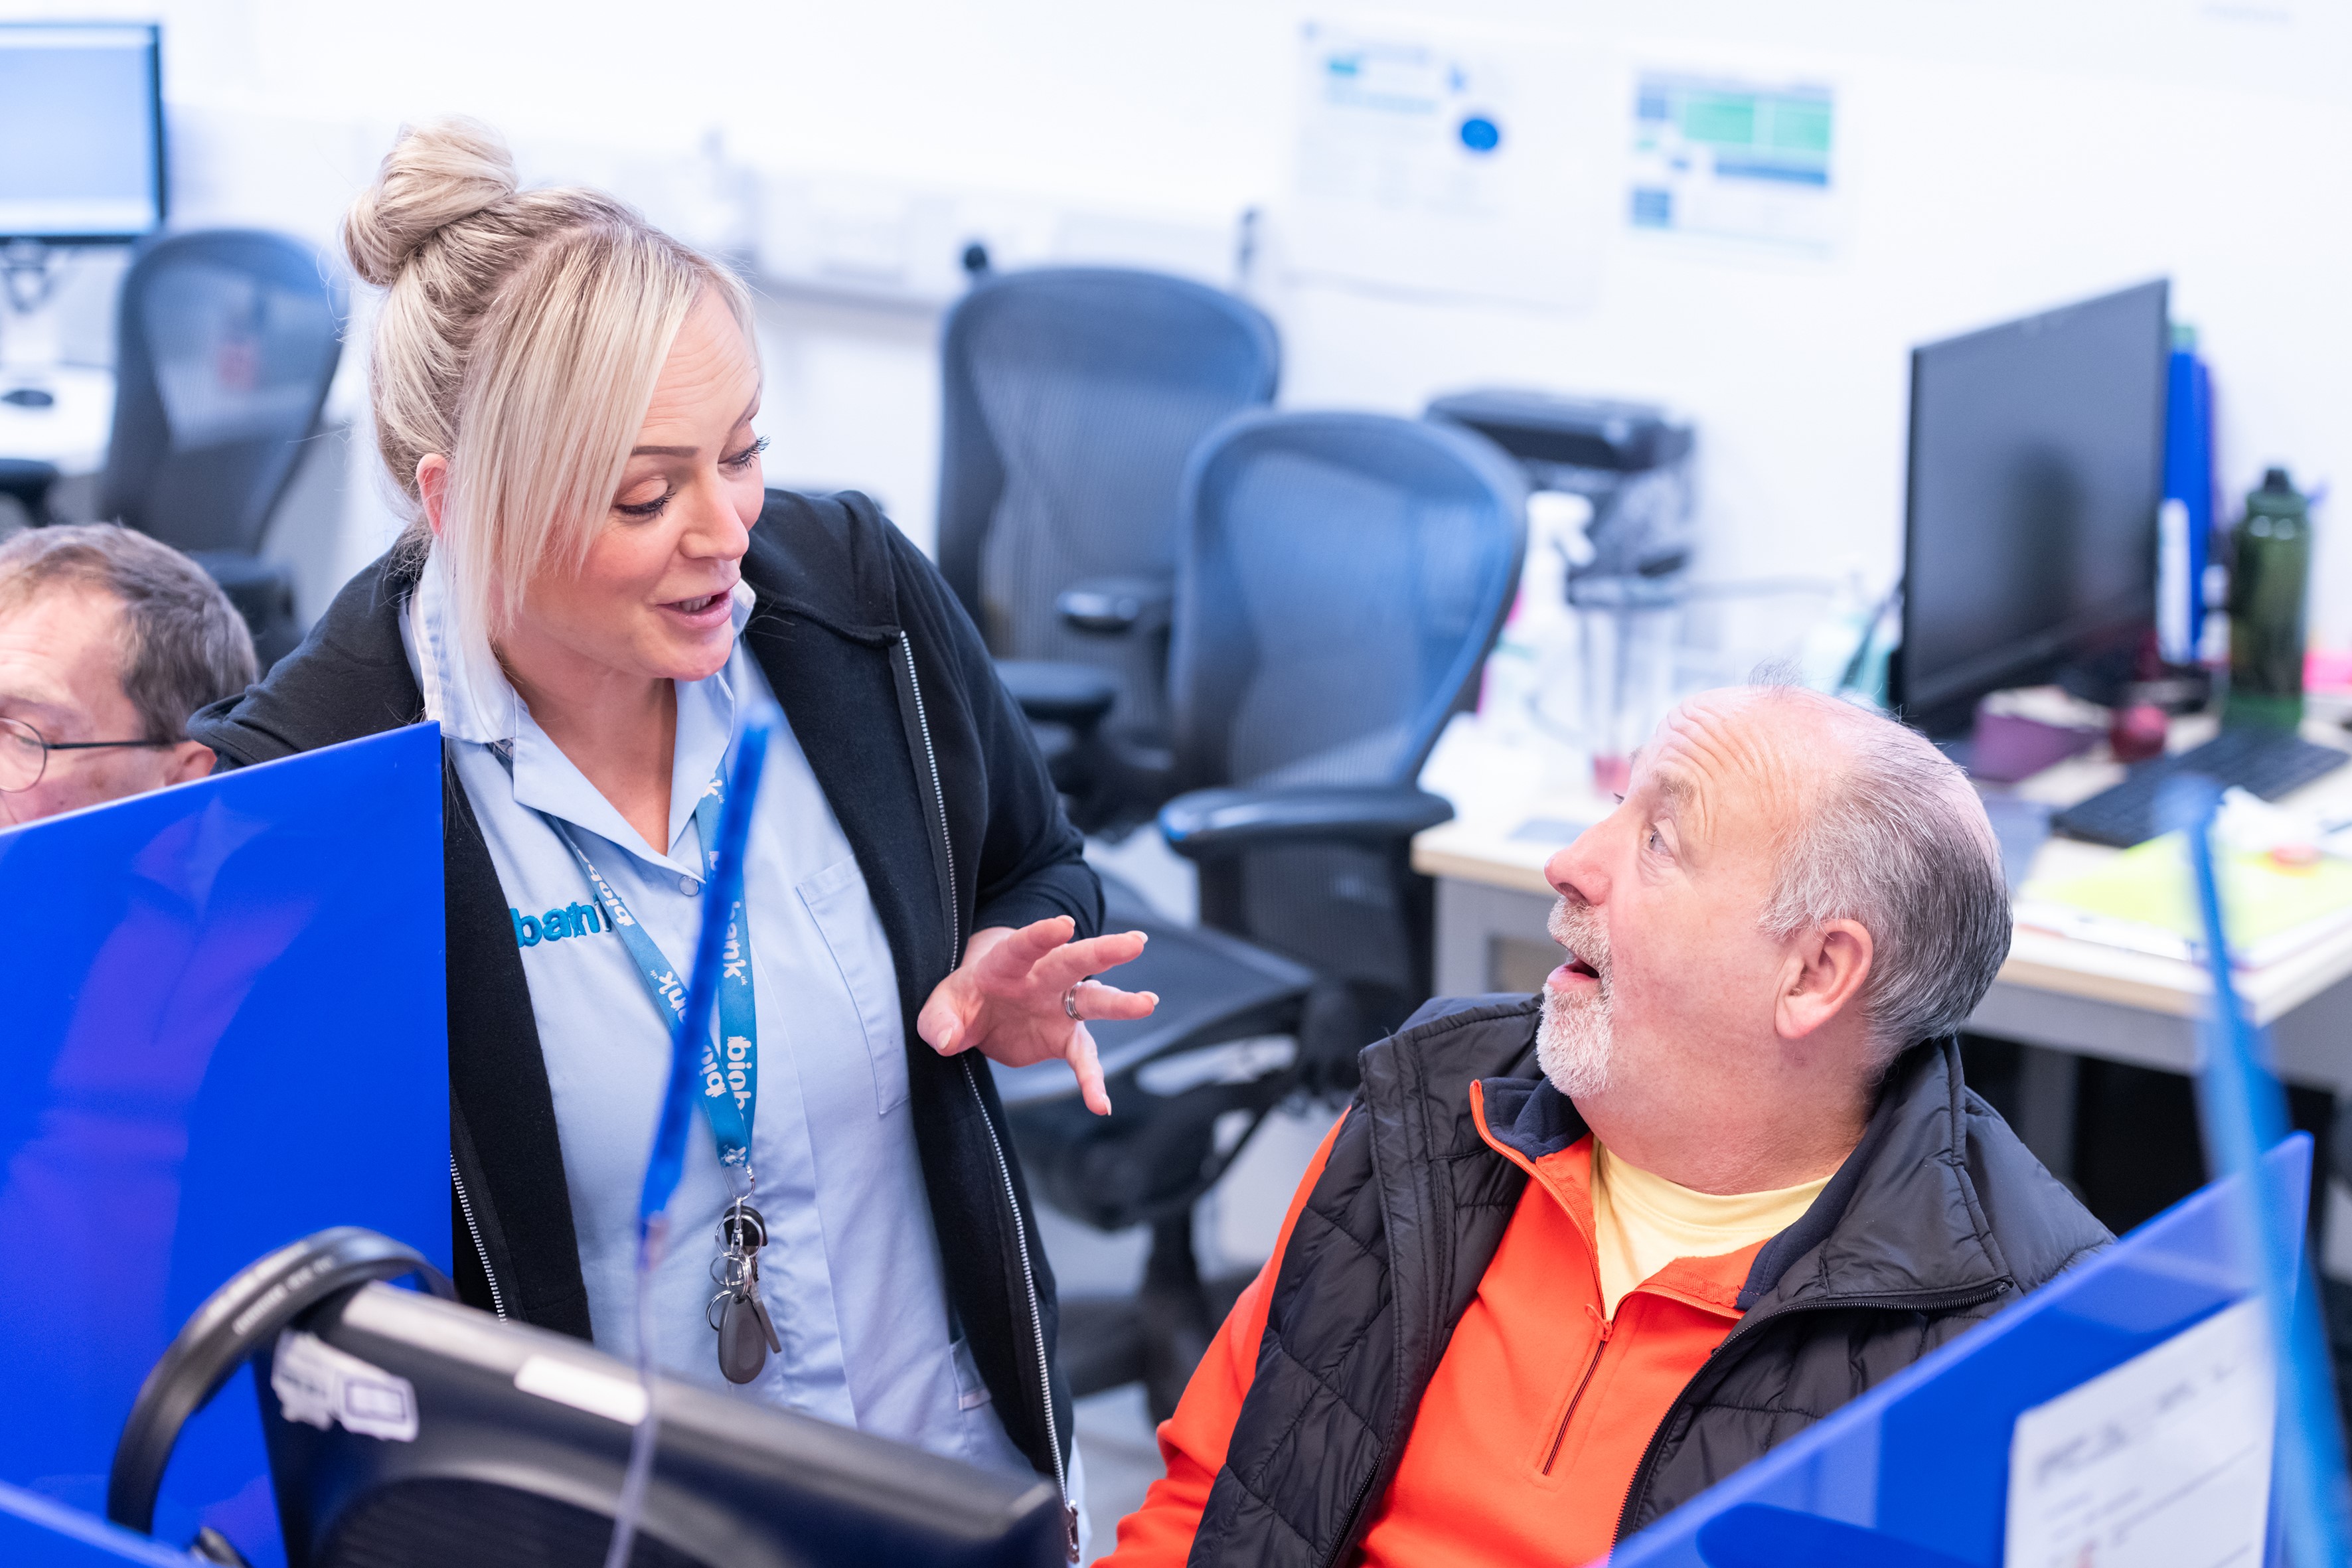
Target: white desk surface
{"points": [[1508, 849], [72, 432]]}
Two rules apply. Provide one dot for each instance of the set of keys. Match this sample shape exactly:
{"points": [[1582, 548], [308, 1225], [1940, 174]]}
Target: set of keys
{"points": [[739, 1313]]}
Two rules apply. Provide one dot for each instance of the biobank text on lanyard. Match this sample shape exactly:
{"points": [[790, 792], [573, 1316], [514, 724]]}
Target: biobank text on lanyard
{"points": [[730, 1094]]}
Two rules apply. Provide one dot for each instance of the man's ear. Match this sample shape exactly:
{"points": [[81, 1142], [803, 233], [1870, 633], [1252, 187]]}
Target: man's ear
{"points": [[1822, 978], [188, 760], [433, 488]]}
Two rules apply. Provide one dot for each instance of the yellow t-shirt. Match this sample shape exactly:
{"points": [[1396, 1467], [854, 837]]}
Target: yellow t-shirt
{"points": [[1642, 1222]]}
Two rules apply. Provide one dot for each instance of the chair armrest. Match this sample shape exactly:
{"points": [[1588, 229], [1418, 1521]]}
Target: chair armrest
{"points": [[1115, 606], [1077, 695], [1211, 824]]}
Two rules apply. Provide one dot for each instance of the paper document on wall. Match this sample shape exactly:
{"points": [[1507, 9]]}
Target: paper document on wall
{"points": [[1734, 158], [1438, 161], [2164, 1462]]}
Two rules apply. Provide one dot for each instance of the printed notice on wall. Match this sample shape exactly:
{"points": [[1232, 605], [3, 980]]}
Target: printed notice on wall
{"points": [[1435, 159], [1742, 160], [2164, 1462]]}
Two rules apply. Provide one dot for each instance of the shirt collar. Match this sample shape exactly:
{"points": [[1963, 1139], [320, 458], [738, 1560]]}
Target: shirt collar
{"points": [[1711, 1283], [468, 693], [465, 691]]}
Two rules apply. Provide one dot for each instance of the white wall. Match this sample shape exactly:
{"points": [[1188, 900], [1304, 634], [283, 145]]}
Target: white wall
{"points": [[2003, 155]]}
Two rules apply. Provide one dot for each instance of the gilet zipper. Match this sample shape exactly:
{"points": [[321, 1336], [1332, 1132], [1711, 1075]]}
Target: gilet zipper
{"points": [[996, 1146], [466, 1208], [1355, 1509]]}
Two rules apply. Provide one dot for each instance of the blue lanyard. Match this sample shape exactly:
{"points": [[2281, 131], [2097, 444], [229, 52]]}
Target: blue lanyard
{"points": [[730, 1086]]}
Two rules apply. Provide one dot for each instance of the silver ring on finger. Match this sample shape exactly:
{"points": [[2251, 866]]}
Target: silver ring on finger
{"points": [[1070, 1003]]}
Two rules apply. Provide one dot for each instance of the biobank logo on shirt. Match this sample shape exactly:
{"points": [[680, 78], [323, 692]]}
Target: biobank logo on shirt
{"points": [[573, 920]]}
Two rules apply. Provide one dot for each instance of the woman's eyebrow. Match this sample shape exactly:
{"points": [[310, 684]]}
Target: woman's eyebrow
{"points": [[749, 409]]}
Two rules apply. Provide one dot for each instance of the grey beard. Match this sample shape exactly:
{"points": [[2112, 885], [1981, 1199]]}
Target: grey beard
{"points": [[1574, 1042], [1575, 1039]]}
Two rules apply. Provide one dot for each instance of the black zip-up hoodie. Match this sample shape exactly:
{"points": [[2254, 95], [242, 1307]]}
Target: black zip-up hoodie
{"points": [[931, 770]]}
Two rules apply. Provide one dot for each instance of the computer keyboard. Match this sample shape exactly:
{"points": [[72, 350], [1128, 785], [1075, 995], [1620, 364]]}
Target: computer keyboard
{"points": [[2265, 763]]}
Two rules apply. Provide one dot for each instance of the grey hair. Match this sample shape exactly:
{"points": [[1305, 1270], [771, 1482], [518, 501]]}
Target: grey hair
{"points": [[183, 644], [1897, 840]]}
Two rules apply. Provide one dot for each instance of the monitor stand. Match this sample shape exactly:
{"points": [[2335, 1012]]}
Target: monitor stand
{"points": [[30, 348]]}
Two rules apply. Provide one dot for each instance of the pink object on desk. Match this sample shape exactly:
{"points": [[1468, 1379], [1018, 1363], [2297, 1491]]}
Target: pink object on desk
{"points": [[2008, 747], [2137, 733], [2327, 670]]}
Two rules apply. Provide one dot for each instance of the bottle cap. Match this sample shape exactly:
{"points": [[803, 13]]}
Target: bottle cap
{"points": [[2276, 481]]}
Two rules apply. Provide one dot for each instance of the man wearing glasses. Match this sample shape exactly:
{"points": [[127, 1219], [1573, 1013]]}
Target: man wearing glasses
{"points": [[109, 640]]}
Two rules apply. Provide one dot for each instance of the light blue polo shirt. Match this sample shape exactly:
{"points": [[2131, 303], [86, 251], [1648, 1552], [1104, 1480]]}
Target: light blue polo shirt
{"points": [[852, 1270]]}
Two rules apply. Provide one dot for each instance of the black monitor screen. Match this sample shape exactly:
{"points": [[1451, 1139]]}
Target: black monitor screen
{"points": [[2037, 468], [81, 135]]}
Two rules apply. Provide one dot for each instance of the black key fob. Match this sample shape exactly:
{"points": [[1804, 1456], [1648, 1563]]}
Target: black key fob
{"points": [[744, 1335], [742, 1228]]}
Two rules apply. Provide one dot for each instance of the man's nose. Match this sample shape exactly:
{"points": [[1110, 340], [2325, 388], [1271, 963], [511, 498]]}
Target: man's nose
{"points": [[1575, 871]]}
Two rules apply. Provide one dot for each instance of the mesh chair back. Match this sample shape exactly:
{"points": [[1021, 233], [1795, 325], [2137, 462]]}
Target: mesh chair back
{"points": [[227, 340], [1072, 398], [1343, 577]]}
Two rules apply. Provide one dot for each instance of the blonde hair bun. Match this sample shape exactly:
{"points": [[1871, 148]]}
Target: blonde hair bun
{"points": [[436, 176]]}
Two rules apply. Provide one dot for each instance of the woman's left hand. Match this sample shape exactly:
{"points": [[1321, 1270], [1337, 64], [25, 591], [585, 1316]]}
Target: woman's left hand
{"points": [[1005, 999]]}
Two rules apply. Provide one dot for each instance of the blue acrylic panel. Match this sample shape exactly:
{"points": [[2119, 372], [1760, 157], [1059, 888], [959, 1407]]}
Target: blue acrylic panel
{"points": [[224, 1030], [38, 1531], [1915, 1474]]}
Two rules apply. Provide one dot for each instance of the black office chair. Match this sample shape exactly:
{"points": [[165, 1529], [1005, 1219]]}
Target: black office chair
{"points": [[226, 343], [1342, 578], [1072, 396]]}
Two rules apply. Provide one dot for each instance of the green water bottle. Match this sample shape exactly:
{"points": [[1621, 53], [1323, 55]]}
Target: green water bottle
{"points": [[2269, 580]]}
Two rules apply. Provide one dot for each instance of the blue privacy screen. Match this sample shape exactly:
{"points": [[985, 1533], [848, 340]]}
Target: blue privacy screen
{"points": [[1915, 1474], [224, 1030]]}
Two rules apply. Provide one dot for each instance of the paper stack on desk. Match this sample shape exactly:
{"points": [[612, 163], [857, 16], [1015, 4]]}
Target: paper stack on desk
{"points": [[2141, 900]]}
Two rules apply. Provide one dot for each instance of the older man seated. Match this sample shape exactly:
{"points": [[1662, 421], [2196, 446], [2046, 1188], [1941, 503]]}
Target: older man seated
{"points": [[109, 640], [1566, 1262]]}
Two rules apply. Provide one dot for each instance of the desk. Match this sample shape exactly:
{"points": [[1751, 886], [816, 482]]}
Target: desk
{"points": [[2055, 992], [72, 433]]}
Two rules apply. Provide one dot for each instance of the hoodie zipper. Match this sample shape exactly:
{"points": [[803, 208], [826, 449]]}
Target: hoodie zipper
{"points": [[1950, 1302], [996, 1146], [939, 798], [466, 1208]]}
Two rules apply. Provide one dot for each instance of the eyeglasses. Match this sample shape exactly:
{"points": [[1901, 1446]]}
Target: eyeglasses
{"points": [[25, 752]]}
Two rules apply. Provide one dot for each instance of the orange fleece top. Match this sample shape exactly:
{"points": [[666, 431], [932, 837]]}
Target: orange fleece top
{"points": [[1529, 1432]]}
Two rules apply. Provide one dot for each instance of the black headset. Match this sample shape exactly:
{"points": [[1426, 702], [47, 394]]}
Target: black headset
{"points": [[235, 1322]]}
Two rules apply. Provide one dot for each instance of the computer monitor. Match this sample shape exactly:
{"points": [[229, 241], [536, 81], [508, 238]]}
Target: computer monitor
{"points": [[2036, 473], [484, 1444], [81, 132]]}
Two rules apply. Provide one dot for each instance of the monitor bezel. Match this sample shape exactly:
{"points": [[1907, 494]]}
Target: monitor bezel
{"points": [[1950, 708], [154, 31]]}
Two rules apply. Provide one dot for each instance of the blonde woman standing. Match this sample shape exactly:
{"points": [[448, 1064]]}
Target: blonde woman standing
{"points": [[595, 585]]}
